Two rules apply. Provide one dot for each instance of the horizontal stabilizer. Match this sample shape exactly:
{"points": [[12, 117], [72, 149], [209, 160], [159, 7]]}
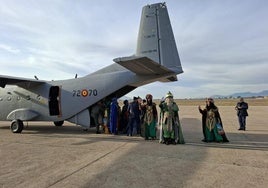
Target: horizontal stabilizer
{"points": [[22, 82], [142, 65]]}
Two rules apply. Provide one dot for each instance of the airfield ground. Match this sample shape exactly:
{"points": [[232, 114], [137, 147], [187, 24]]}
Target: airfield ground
{"points": [[47, 156]]}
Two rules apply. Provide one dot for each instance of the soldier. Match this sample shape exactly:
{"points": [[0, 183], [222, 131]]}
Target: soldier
{"points": [[97, 112]]}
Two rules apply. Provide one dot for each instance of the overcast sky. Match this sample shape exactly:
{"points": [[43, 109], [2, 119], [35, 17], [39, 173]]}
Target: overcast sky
{"points": [[223, 45]]}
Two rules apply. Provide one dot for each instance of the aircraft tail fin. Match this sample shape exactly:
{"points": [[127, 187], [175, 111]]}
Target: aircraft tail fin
{"points": [[156, 40]]}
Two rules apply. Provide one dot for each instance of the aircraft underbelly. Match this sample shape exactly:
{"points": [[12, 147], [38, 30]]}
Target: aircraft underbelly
{"points": [[82, 119]]}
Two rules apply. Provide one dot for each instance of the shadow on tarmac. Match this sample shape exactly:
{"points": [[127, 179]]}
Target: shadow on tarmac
{"points": [[134, 162]]}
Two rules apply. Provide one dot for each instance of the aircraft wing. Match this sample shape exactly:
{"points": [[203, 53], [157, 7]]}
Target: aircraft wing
{"points": [[142, 65], [22, 82]]}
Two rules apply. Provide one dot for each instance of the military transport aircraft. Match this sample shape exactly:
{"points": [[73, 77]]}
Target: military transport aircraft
{"points": [[156, 59]]}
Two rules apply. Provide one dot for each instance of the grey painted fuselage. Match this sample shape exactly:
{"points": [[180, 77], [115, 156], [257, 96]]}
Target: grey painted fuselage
{"points": [[156, 59]]}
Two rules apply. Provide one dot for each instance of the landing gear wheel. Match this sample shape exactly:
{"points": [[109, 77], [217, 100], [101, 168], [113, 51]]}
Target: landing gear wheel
{"points": [[16, 126], [58, 123]]}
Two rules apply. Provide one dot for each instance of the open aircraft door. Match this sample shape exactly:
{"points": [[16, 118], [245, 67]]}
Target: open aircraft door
{"points": [[54, 101]]}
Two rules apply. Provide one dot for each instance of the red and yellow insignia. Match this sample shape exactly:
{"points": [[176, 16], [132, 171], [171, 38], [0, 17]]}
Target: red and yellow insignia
{"points": [[84, 93]]}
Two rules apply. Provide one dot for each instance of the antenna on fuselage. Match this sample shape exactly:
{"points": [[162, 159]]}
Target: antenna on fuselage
{"points": [[36, 77]]}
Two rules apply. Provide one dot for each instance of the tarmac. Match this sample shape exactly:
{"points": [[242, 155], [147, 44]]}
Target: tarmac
{"points": [[45, 156]]}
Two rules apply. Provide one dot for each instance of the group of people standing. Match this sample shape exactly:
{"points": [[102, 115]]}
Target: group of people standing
{"points": [[140, 117], [143, 118]]}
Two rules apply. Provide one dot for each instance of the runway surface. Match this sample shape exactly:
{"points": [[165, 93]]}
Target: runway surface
{"points": [[47, 156]]}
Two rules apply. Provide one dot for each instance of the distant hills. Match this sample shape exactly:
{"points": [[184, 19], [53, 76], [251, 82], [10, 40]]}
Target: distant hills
{"points": [[234, 95], [243, 94]]}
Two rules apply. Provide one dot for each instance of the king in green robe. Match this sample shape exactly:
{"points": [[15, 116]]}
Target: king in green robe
{"points": [[213, 123], [150, 118], [170, 127]]}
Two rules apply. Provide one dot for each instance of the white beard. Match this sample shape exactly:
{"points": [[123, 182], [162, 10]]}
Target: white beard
{"points": [[169, 101]]}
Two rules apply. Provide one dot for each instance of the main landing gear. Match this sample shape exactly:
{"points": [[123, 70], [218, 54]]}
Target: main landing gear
{"points": [[58, 123], [16, 126]]}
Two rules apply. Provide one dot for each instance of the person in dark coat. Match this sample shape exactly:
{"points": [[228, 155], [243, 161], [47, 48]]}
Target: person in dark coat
{"points": [[241, 108], [124, 117], [204, 117], [134, 112]]}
